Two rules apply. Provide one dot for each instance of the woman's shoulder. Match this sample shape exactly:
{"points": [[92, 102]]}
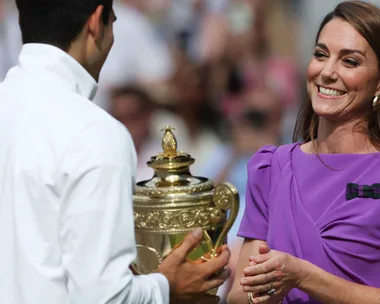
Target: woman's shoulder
{"points": [[266, 155]]}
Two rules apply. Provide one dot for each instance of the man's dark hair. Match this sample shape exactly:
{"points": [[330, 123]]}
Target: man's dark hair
{"points": [[57, 22]]}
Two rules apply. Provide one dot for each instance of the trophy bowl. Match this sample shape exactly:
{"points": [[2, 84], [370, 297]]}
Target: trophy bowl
{"points": [[173, 203]]}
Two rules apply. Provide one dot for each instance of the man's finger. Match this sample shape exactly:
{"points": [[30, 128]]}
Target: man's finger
{"points": [[217, 264], [192, 240], [217, 280]]}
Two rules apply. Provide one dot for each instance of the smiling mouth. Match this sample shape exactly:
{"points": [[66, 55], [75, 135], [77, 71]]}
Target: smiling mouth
{"points": [[330, 92]]}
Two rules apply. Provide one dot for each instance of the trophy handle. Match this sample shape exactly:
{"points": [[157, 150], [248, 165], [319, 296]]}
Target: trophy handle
{"points": [[226, 197]]}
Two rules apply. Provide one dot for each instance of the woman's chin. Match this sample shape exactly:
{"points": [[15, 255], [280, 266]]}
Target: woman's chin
{"points": [[329, 113]]}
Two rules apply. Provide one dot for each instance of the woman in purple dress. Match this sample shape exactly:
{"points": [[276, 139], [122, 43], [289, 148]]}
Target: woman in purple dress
{"points": [[312, 217]]}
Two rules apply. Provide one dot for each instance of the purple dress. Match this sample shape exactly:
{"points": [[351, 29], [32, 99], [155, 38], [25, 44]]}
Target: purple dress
{"points": [[299, 205]]}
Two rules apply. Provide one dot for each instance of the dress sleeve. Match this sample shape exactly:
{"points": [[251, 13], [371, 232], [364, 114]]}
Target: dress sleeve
{"points": [[254, 224]]}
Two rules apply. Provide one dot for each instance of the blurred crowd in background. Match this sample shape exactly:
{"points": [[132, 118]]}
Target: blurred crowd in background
{"points": [[228, 75]]}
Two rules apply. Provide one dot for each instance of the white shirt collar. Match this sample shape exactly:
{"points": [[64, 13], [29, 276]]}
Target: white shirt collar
{"points": [[47, 57]]}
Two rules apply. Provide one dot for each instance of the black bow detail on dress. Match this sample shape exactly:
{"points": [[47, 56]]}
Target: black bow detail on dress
{"points": [[363, 191]]}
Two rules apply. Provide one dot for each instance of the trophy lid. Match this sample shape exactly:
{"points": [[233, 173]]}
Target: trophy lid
{"points": [[172, 172]]}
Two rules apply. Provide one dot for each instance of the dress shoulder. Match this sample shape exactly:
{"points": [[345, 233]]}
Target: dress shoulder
{"points": [[254, 224], [262, 171], [262, 158], [267, 163]]}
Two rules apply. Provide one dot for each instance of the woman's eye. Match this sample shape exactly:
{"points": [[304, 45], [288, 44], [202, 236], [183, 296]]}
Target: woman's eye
{"points": [[319, 55], [351, 62]]}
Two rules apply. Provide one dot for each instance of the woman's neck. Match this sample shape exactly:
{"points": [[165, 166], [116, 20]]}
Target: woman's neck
{"points": [[349, 138]]}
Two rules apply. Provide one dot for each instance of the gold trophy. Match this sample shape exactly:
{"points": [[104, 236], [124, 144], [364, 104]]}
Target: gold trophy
{"points": [[173, 203]]}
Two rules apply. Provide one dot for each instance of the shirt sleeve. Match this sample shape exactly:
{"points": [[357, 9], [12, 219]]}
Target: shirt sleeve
{"points": [[254, 224], [96, 221]]}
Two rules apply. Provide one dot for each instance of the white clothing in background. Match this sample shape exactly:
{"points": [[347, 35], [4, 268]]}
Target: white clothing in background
{"points": [[10, 37]]}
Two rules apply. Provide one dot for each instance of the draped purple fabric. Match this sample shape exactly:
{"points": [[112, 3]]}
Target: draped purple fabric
{"points": [[297, 203]]}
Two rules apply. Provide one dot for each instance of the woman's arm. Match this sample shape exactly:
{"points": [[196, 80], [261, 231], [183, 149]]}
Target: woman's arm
{"points": [[237, 294], [330, 289], [287, 271]]}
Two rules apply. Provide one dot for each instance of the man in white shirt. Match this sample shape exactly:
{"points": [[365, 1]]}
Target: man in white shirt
{"points": [[66, 172]]}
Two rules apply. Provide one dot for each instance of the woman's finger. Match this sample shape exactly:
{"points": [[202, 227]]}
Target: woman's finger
{"points": [[261, 258], [265, 267], [264, 298], [261, 299], [262, 278], [264, 288], [264, 249]]}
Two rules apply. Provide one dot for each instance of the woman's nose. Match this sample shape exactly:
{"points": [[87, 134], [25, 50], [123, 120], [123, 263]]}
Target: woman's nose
{"points": [[329, 71]]}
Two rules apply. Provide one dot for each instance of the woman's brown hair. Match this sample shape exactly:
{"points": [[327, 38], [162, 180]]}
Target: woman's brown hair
{"points": [[365, 18]]}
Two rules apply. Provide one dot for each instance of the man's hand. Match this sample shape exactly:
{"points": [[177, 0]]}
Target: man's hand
{"points": [[189, 280]]}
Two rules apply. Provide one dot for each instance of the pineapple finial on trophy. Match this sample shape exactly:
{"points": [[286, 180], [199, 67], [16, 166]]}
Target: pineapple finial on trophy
{"points": [[169, 143]]}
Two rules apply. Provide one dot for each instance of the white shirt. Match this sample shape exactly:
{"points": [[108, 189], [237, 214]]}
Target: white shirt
{"points": [[66, 172]]}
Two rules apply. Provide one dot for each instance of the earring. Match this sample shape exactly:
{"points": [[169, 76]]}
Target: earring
{"points": [[375, 100]]}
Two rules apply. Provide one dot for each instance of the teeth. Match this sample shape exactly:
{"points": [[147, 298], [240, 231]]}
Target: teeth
{"points": [[330, 92]]}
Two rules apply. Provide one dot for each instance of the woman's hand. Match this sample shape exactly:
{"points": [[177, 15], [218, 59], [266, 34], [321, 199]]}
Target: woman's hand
{"points": [[270, 270]]}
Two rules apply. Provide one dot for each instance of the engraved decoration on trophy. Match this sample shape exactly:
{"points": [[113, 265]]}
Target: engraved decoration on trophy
{"points": [[175, 202]]}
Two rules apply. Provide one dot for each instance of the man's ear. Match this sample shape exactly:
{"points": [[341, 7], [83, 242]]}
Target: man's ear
{"points": [[96, 25]]}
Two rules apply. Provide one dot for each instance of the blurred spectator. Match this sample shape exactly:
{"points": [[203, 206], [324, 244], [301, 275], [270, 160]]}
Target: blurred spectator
{"points": [[134, 108], [138, 55], [263, 69], [199, 134], [200, 26], [10, 36]]}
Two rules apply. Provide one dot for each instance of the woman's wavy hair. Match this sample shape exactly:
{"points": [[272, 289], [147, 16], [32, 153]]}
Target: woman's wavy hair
{"points": [[365, 18]]}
